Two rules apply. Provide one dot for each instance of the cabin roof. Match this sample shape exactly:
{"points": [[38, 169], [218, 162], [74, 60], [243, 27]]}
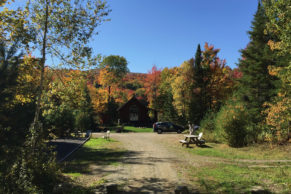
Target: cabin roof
{"points": [[133, 99]]}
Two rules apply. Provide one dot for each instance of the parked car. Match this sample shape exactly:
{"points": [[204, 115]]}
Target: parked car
{"points": [[161, 127]]}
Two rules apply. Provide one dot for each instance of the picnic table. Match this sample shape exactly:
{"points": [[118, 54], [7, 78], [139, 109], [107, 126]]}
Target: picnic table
{"points": [[189, 139], [192, 139]]}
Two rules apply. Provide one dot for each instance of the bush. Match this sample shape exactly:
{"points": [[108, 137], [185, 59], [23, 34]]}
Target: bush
{"points": [[60, 121], [83, 121], [208, 128], [208, 122], [32, 170], [278, 120], [232, 119]]}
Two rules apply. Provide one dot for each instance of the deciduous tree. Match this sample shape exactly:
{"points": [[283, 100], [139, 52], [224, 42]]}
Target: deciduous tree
{"points": [[278, 112], [151, 85], [113, 69]]}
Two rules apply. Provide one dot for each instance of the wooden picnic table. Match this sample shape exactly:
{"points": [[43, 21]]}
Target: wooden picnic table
{"points": [[190, 139]]}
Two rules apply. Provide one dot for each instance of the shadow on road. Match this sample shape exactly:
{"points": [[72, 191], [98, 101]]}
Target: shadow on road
{"points": [[147, 185], [81, 160], [62, 147]]}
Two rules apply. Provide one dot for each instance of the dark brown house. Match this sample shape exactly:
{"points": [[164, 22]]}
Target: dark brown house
{"points": [[134, 112]]}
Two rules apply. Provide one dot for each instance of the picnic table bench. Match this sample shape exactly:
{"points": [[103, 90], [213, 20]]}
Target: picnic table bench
{"points": [[107, 135], [193, 139]]}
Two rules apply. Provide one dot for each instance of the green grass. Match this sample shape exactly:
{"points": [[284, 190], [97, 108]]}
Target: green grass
{"points": [[97, 143], [137, 129], [78, 167], [76, 174], [98, 182], [255, 152], [225, 178], [238, 176], [94, 152], [129, 129]]}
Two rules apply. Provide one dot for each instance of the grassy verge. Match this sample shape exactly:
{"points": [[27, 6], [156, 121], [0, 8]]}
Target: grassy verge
{"points": [[255, 152], [239, 176], [137, 129], [127, 129], [94, 152], [225, 178], [79, 168]]}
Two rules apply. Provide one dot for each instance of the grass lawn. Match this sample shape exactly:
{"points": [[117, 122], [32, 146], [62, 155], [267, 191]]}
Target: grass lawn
{"points": [[129, 129], [254, 152], [227, 178], [238, 170], [79, 168], [95, 151], [137, 129]]}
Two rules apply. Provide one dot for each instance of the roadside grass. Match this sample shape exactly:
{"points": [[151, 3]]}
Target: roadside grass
{"points": [[137, 129], [254, 152], [126, 129], [243, 172], [227, 178], [77, 170], [94, 152], [74, 175]]}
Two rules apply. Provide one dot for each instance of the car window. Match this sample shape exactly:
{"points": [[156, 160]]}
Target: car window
{"points": [[169, 125]]}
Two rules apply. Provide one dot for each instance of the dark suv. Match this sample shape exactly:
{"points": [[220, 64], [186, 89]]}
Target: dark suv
{"points": [[161, 127]]}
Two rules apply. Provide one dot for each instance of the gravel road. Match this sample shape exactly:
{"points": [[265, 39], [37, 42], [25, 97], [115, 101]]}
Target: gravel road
{"points": [[150, 165]]}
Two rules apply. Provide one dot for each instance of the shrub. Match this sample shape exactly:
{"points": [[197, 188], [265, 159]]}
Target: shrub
{"points": [[60, 121], [32, 170], [278, 120], [208, 128], [232, 119], [83, 121], [208, 123]]}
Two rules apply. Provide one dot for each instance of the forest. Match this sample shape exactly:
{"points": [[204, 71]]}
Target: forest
{"points": [[250, 104]]}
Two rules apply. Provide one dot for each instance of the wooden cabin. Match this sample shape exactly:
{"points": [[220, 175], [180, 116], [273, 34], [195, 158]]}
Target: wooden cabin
{"points": [[134, 112]]}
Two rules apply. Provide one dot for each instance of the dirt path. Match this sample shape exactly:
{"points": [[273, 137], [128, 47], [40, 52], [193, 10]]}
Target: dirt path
{"points": [[156, 163], [149, 166]]}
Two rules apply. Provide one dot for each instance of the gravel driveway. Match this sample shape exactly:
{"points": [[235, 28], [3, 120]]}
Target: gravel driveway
{"points": [[150, 165]]}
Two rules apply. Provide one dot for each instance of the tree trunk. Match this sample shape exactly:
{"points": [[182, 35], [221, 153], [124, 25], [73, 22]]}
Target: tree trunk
{"points": [[42, 62], [109, 93]]}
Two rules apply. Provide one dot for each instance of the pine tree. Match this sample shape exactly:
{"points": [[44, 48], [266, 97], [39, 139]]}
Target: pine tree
{"points": [[257, 85], [197, 63], [198, 71], [9, 63], [198, 100]]}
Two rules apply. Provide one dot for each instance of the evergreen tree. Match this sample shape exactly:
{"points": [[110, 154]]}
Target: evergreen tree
{"points": [[197, 63], [257, 85], [9, 62], [198, 100], [84, 115]]}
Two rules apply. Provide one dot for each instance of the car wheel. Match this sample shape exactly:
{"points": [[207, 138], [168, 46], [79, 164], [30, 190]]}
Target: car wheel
{"points": [[160, 131], [179, 131]]}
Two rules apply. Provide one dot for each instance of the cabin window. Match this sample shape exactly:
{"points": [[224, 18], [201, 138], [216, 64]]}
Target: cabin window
{"points": [[133, 113]]}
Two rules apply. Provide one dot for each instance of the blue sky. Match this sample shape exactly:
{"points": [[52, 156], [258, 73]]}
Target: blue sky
{"points": [[166, 32]]}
